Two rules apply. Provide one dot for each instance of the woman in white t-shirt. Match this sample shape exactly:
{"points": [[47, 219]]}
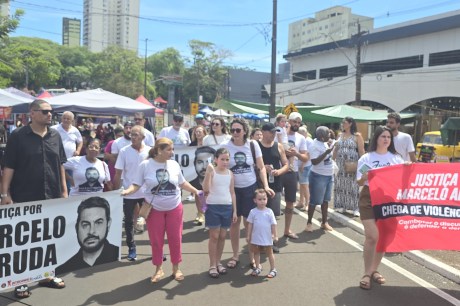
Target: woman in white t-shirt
{"points": [[382, 153], [218, 133], [242, 165], [163, 181], [88, 172]]}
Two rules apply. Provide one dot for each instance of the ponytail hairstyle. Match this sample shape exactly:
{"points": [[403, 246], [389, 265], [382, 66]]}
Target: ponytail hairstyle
{"points": [[161, 144]]}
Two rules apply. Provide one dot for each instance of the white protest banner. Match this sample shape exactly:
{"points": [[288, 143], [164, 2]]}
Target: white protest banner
{"points": [[39, 238]]}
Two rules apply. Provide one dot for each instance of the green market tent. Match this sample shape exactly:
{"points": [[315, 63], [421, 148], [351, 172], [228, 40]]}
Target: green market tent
{"points": [[314, 114]]}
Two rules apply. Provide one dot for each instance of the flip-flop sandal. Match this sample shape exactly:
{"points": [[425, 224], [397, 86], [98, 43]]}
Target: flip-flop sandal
{"points": [[213, 272], [178, 275], [291, 236], [378, 278], [232, 263], [272, 273], [256, 272], [52, 283], [366, 285], [22, 292], [157, 277], [221, 269]]}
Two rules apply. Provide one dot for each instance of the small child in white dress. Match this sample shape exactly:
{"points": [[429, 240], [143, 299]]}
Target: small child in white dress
{"points": [[262, 232]]}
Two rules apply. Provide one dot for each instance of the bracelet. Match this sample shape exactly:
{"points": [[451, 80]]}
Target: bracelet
{"points": [[3, 195]]}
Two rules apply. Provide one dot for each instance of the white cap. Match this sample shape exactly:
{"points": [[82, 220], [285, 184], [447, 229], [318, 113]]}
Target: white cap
{"points": [[295, 115]]}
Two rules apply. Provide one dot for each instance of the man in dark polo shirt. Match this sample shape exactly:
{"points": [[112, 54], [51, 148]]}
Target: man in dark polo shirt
{"points": [[93, 225], [34, 169]]}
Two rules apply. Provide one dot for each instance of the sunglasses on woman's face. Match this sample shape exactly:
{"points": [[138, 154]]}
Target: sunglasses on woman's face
{"points": [[237, 130], [216, 123]]}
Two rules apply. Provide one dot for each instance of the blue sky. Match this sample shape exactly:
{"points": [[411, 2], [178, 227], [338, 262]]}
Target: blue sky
{"points": [[241, 26]]}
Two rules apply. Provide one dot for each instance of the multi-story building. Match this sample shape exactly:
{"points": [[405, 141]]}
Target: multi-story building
{"points": [[410, 65], [71, 32], [5, 9], [335, 23], [111, 22]]}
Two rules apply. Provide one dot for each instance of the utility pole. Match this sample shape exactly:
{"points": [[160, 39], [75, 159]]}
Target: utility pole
{"points": [[145, 70], [273, 68], [358, 66]]}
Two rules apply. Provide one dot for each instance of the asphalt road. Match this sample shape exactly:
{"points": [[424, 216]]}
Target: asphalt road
{"points": [[320, 268]]}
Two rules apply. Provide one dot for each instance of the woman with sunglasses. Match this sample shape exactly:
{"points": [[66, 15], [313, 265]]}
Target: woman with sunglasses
{"points": [[243, 166], [218, 133], [382, 153], [88, 172]]}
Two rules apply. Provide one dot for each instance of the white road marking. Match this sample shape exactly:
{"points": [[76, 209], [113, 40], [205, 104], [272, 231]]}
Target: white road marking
{"points": [[386, 262]]}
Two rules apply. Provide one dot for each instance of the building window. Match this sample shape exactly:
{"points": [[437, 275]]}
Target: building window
{"points": [[393, 64], [444, 58], [304, 76], [333, 72]]}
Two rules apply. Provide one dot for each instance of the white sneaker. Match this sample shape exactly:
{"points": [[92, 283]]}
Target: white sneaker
{"points": [[190, 198], [356, 213], [139, 227], [340, 210]]}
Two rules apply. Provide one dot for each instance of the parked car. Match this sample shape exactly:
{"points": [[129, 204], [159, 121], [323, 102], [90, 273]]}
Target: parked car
{"points": [[431, 149]]}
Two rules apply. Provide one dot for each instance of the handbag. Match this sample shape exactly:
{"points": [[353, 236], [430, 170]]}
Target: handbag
{"points": [[145, 209], [350, 166], [256, 169]]}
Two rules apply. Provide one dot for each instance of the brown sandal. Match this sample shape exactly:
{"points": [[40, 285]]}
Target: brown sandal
{"points": [[157, 277], [363, 284], [378, 278]]}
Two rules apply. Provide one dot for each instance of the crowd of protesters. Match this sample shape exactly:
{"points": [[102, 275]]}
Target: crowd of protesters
{"points": [[243, 174]]}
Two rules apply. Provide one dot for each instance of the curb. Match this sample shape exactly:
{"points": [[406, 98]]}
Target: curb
{"points": [[429, 262]]}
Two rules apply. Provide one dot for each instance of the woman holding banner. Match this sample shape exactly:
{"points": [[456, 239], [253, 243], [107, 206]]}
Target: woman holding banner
{"points": [[163, 181], [381, 153], [245, 156]]}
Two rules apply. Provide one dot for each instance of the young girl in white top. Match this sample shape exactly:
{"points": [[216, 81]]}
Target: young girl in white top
{"points": [[218, 185], [262, 232]]}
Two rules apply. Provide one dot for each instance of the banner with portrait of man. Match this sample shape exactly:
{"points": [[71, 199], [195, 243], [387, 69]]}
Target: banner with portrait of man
{"points": [[44, 238]]}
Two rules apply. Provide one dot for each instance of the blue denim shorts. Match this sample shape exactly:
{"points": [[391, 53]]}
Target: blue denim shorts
{"points": [[244, 200], [320, 188], [304, 175], [218, 216]]}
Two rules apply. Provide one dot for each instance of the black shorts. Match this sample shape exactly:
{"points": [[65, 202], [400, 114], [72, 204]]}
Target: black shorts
{"points": [[245, 200], [290, 180]]}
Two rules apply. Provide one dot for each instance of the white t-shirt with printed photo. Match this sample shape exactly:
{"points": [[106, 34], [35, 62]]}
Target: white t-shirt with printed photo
{"points": [[375, 160], [309, 143], [128, 161], [179, 138], [325, 167], [161, 184], [79, 165], [244, 172], [298, 141], [262, 221]]}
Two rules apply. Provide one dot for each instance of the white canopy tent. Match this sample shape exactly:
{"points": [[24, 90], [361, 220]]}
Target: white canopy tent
{"points": [[99, 102], [9, 99], [221, 113]]}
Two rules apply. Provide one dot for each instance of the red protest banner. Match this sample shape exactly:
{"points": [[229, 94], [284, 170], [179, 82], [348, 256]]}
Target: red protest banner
{"points": [[417, 206]]}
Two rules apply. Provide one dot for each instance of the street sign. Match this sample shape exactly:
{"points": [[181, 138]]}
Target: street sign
{"points": [[193, 108], [289, 109]]}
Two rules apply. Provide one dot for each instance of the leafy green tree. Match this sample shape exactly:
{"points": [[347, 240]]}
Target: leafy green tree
{"points": [[7, 25], [34, 62], [206, 74], [120, 71], [164, 63], [78, 64]]}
